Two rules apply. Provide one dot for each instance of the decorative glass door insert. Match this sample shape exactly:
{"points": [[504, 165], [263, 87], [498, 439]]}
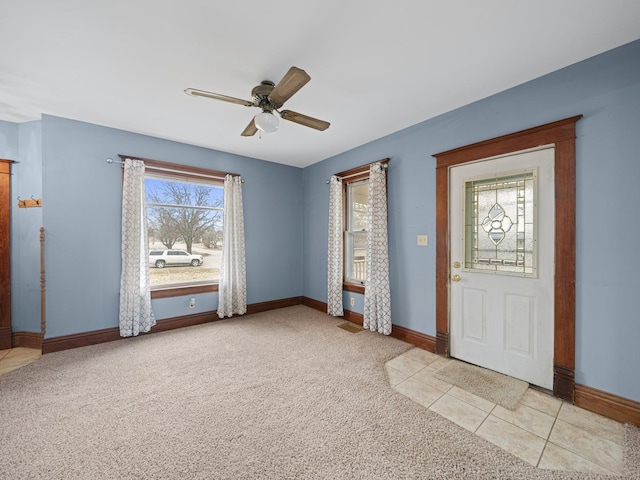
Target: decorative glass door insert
{"points": [[500, 228]]}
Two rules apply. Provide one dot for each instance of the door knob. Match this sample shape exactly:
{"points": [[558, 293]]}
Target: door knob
{"points": [[456, 277]]}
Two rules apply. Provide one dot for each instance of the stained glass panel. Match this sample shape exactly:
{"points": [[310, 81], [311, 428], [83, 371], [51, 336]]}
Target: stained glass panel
{"points": [[499, 223]]}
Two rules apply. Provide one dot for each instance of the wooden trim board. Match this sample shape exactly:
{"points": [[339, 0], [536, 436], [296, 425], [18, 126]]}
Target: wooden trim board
{"points": [[607, 404], [27, 340], [66, 342]]}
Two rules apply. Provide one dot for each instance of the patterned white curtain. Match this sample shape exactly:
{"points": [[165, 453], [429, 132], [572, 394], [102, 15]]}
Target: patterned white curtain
{"points": [[335, 254], [135, 291], [377, 295], [232, 289]]}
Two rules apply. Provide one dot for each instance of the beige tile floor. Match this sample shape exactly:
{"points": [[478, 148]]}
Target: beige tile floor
{"points": [[543, 430], [17, 357]]}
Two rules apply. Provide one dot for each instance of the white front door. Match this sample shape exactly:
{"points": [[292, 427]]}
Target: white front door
{"points": [[502, 264]]}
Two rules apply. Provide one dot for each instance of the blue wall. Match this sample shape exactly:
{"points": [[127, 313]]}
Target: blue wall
{"points": [[606, 90], [26, 182], [22, 143], [8, 140], [82, 199], [81, 215]]}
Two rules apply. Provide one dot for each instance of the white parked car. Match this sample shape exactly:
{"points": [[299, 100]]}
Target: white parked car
{"points": [[163, 258]]}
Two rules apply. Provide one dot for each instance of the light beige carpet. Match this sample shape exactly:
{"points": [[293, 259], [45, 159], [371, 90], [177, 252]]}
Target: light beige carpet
{"points": [[277, 395], [493, 386]]}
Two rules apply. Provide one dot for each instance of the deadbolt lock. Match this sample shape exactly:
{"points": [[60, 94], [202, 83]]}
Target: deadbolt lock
{"points": [[456, 265]]}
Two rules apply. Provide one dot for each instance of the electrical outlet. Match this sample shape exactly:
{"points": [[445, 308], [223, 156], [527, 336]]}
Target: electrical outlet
{"points": [[192, 302], [423, 240], [352, 301]]}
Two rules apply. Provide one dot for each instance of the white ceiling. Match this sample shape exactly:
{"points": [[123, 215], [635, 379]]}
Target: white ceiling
{"points": [[376, 66]]}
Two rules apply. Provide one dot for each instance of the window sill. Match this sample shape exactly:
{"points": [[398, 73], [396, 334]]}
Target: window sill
{"points": [[182, 290], [353, 287]]}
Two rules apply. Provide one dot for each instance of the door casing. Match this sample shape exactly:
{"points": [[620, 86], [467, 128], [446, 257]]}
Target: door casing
{"points": [[562, 135]]}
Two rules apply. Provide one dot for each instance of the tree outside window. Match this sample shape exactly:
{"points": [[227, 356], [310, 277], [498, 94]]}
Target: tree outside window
{"points": [[184, 214]]}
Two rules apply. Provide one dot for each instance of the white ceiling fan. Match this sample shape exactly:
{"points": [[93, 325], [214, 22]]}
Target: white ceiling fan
{"points": [[270, 97]]}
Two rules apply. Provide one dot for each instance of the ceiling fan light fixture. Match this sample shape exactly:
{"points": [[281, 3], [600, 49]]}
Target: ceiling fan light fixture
{"points": [[266, 122]]}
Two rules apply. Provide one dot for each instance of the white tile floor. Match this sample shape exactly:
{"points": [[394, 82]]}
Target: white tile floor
{"points": [[543, 431]]}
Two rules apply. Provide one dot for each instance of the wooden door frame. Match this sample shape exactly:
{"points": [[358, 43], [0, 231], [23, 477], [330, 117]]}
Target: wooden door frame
{"points": [[562, 135], [5, 262]]}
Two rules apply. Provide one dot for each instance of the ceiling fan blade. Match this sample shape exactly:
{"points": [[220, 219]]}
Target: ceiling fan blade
{"points": [[304, 120], [294, 80], [216, 96], [250, 129]]}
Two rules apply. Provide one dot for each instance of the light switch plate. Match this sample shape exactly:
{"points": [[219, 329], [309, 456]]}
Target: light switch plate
{"points": [[423, 240]]}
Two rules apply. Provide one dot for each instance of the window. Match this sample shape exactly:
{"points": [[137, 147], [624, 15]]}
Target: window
{"points": [[356, 204], [184, 220]]}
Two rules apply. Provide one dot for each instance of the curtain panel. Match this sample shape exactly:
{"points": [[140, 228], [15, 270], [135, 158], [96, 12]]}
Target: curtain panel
{"points": [[135, 313], [232, 289], [336, 252], [377, 293]]}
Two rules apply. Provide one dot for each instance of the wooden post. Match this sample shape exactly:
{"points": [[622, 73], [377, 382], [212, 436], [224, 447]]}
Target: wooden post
{"points": [[43, 283]]}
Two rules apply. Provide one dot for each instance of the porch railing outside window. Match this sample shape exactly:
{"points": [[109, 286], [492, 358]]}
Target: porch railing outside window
{"points": [[359, 270]]}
